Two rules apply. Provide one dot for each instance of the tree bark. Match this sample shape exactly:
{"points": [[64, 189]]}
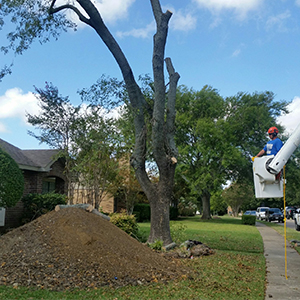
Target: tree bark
{"points": [[206, 215]]}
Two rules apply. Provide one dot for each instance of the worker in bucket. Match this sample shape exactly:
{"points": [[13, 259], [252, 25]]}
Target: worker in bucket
{"points": [[274, 145]]}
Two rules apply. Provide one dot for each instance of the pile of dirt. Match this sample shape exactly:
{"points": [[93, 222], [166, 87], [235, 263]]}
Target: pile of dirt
{"points": [[72, 248]]}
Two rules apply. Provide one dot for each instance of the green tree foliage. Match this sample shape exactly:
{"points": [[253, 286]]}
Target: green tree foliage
{"points": [[125, 222], [29, 21], [56, 120], [56, 124], [97, 159], [11, 181], [292, 175], [236, 195], [205, 153], [216, 138], [248, 118], [36, 205]]}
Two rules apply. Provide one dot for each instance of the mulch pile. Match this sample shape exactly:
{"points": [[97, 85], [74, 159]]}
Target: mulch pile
{"points": [[72, 248]]}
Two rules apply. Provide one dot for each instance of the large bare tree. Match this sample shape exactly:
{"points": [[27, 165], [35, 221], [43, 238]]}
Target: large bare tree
{"points": [[162, 113]]}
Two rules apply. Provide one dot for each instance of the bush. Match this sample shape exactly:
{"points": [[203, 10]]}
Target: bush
{"points": [[177, 232], [125, 222], [157, 245], [11, 181], [248, 220], [186, 208], [173, 213], [142, 212], [36, 205]]}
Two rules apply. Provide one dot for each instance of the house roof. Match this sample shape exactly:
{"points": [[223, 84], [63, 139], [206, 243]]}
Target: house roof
{"points": [[36, 160]]}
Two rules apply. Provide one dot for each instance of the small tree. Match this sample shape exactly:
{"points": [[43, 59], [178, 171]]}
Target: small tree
{"points": [[96, 160], [236, 195], [11, 181], [56, 123]]}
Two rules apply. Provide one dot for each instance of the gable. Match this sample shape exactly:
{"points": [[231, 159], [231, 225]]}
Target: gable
{"points": [[35, 160]]}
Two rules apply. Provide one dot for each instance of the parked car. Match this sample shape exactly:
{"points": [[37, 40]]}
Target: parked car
{"points": [[274, 214], [261, 213], [290, 210], [297, 219], [250, 212]]}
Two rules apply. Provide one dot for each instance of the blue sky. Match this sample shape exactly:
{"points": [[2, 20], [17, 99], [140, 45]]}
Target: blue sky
{"points": [[232, 45]]}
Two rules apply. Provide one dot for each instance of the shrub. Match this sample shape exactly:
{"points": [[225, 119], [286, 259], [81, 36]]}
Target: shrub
{"points": [[157, 245], [36, 205], [125, 222], [11, 181], [186, 207], [177, 231], [174, 213], [248, 220], [142, 212]]}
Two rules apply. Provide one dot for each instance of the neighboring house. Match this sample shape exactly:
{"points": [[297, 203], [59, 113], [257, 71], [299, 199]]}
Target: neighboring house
{"points": [[43, 172]]}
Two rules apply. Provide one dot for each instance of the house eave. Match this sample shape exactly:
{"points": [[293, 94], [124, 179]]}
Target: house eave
{"points": [[33, 168]]}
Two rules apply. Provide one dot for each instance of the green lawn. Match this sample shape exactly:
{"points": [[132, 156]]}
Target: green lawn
{"points": [[236, 271]]}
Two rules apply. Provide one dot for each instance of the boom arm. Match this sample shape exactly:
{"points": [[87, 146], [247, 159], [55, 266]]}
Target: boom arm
{"points": [[265, 169], [285, 152]]}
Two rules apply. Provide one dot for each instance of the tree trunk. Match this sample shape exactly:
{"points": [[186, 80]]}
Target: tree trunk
{"points": [[160, 218], [206, 215], [162, 113]]}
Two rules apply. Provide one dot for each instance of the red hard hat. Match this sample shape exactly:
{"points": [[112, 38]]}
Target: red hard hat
{"points": [[273, 130]]}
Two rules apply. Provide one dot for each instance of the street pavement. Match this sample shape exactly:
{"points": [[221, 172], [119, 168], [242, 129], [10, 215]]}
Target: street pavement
{"points": [[278, 286]]}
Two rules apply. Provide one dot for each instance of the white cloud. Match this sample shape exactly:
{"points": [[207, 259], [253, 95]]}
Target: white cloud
{"points": [[110, 10], [297, 2], [181, 21], [236, 53], [15, 104], [241, 8], [278, 21], [178, 21], [138, 33], [290, 121]]}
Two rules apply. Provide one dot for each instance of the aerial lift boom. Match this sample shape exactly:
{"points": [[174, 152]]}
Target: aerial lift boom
{"points": [[265, 169]]}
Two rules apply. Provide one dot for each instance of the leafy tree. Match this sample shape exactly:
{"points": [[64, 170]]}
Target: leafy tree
{"points": [[217, 205], [204, 152], [56, 124], [236, 195], [248, 117], [11, 181], [216, 137], [292, 174], [41, 19], [96, 161]]}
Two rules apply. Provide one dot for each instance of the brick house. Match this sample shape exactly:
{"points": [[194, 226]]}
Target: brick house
{"points": [[43, 172]]}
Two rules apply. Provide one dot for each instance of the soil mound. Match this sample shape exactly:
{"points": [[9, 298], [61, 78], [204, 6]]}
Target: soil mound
{"points": [[72, 248]]}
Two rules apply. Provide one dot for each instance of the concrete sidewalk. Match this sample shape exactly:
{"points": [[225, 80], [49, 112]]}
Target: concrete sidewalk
{"points": [[278, 287]]}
